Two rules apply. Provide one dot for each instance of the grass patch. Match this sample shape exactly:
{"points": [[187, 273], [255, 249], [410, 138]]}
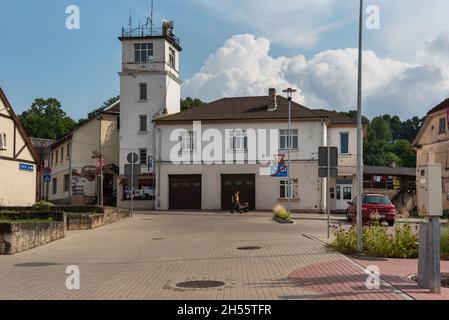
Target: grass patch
{"points": [[26, 220]]}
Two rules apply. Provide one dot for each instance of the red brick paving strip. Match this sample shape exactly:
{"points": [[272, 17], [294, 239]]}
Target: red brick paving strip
{"points": [[338, 280], [396, 271]]}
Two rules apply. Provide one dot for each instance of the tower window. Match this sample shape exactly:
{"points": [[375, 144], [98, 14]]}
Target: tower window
{"points": [[143, 123], [172, 58], [143, 92], [442, 126], [143, 52]]}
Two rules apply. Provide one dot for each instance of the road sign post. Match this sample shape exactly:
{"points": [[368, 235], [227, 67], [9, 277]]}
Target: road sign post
{"points": [[327, 168], [132, 159]]}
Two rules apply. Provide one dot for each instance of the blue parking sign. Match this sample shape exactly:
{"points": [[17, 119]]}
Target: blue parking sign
{"points": [[26, 167]]}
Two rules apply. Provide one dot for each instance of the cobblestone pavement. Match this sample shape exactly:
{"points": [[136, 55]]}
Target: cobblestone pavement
{"points": [[146, 256]]}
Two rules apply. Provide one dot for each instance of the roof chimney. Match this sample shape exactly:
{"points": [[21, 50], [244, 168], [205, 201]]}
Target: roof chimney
{"points": [[272, 103]]}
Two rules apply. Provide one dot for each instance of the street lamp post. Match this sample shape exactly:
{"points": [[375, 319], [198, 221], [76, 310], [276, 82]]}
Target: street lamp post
{"points": [[289, 93], [100, 161], [360, 137]]}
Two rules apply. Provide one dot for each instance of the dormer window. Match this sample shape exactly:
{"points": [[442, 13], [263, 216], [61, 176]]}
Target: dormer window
{"points": [[143, 52], [2, 141]]}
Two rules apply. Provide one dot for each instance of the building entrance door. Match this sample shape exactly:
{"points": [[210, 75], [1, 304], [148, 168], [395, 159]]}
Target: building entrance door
{"points": [[344, 195]]}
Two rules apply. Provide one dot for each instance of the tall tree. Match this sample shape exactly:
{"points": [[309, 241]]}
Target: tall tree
{"points": [[46, 119], [189, 103], [97, 110]]}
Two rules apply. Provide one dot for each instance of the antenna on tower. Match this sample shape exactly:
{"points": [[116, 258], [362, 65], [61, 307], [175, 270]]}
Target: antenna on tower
{"points": [[130, 22]]}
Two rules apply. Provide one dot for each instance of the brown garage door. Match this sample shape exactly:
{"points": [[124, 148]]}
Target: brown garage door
{"points": [[185, 192], [245, 183]]}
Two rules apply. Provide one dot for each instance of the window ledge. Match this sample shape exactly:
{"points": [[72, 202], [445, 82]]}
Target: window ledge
{"points": [[142, 133], [291, 200], [142, 101]]}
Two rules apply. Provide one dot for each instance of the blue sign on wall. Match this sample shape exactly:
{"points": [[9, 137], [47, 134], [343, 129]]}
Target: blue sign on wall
{"points": [[47, 178], [26, 167]]}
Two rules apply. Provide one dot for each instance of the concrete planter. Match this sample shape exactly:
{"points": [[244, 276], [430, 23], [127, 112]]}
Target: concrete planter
{"points": [[16, 237], [283, 221], [96, 220]]}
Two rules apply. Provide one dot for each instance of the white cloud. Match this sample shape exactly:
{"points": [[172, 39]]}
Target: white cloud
{"points": [[243, 66]]}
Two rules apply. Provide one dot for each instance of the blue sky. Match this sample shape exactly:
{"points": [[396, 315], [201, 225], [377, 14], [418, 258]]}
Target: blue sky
{"points": [[303, 43]]}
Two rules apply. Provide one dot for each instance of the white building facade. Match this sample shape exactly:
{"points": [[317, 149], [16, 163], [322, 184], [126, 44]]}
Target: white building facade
{"points": [[186, 180]]}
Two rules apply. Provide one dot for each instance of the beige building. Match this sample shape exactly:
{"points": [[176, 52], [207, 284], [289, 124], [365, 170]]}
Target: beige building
{"points": [[432, 144], [18, 161], [196, 184], [75, 161]]}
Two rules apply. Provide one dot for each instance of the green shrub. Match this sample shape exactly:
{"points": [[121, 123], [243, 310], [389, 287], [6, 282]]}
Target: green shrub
{"points": [[282, 213], [43, 205], [377, 242]]}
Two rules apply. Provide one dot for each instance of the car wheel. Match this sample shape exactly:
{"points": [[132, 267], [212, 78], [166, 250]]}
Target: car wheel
{"points": [[391, 223]]}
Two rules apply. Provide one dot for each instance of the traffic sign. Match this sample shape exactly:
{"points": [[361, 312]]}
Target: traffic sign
{"points": [[132, 157], [47, 178], [150, 164], [326, 155], [47, 171]]}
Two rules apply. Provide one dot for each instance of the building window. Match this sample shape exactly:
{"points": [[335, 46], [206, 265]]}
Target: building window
{"points": [[66, 183], [2, 141], [143, 52], [172, 58], [57, 156], [118, 123], [62, 154], [285, 191], [443, 126], [238, 140], [55, 186], [68, 150], [283, 139], [143, 91], [52, 158], [344, 143], [143, 156], [188, 141], [143, 124]]}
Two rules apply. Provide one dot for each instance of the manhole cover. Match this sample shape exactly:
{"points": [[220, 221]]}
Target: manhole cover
{"points": [[249, 248], [201, 284]]}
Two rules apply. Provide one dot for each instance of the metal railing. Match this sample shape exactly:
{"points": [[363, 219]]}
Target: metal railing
{"points": [[144, 31]]}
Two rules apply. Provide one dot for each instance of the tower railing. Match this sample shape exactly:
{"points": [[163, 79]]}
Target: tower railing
{"points": [[144, 31]]}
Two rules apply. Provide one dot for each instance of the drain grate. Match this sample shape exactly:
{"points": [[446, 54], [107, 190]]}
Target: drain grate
{"points": [[249, 248], [158, 239], [200, 284]]}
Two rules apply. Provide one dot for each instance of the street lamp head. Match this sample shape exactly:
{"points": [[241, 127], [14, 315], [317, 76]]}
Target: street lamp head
{"points": [[289, 92]]}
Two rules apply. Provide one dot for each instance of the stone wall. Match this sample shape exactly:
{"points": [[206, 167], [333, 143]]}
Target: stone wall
{"points": [[96, 220], [16, 237]]}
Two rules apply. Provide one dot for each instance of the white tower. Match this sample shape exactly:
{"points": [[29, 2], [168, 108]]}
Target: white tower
{"points": [[149, 87]]}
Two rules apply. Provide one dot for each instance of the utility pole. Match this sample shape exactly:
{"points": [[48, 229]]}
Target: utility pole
{"points": [[100, 189], [289, 92], [360, 138]]}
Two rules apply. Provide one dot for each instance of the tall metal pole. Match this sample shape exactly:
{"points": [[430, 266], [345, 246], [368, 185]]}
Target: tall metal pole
{"points": [[328, 185], [360, 138], [100, 189], [132, 184], [289, 92]]}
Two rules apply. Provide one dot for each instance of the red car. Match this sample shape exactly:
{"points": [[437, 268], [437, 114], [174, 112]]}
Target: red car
{"points": [[374, 206]]}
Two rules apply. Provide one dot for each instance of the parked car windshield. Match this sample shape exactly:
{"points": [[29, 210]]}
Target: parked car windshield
{"points": [[376, 200]]}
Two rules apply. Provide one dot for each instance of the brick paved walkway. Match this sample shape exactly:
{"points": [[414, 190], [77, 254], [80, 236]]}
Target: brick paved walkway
{"points": [[144, 257]]}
